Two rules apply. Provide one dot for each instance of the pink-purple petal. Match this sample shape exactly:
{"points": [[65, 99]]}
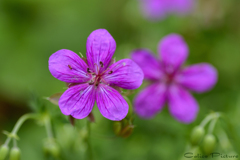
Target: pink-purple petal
{"points": [[78, 100], [125, 74], [148, 63], [100, 49], [181, 104], [111, 103], [67, 66], [199, 77], [173, 52], [150, 100], [154, 9], [182, 6]]}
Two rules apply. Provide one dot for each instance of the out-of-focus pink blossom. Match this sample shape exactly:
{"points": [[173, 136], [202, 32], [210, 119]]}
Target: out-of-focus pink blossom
{"points": [[158, 9], [170, 82]]}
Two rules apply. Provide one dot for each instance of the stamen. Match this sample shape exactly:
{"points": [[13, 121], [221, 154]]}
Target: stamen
{"points": [[88, 70], [96, 81], [92, 73], [101, 63], [69, 67], [97, 67], [104, 71], [109, 69], [104, 81]]}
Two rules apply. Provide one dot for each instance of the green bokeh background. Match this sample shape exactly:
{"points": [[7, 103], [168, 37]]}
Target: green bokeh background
{"points": [[30, 31]]}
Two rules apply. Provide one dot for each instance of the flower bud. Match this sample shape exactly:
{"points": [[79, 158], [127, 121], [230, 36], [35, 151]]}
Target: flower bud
{"points": [[84, 134], [3, 152], [197, 135], [51, 148], [127, 131], [209, 142], [123, 128], [117, 127], [15, 153]]}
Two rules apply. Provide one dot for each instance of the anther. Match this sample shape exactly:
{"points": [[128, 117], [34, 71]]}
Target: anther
{"points": [[91, 83], [88, 70], [69, 67], [101, 63], [110, 72]]}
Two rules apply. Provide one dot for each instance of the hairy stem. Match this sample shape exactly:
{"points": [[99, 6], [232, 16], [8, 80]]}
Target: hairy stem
{"points": [[48, 127], [19, 123], [208, 118], [89, 147], [212, 125]]}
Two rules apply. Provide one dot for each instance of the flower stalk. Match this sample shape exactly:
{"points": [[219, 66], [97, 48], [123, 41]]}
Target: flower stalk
{"points": [[89, 147], [214, 116], [17, 126], [48, 127]]}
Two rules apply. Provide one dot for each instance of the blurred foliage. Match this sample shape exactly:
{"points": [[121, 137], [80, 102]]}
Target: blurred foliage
{"points": [[32, 30]]}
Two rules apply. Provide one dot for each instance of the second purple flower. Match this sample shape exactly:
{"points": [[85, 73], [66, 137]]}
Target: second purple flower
{"points": [[158, 9], [170, 82]]}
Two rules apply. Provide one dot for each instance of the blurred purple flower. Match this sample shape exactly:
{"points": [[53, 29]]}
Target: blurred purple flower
{"points": [[170, 82], [158, 9], [96, 79]]}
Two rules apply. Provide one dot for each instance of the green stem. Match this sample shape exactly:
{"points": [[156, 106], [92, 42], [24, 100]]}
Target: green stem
{"points": [[208, 118], [89, 147], [19, 123], [14, 143], [224, 141], [48, 127], [212, 125], [205, 121]]}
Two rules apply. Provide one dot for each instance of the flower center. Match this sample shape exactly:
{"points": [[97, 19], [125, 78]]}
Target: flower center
{"points": [[96, 80], [168, 78], [97, 77]]}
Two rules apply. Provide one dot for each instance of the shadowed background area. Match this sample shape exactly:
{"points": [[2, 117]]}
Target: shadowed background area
{"points": [[32, 30]]}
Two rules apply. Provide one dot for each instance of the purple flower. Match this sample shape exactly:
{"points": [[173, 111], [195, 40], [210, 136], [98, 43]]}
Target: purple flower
{"points": [[97, 79], [170, 82], [158, 9]]}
